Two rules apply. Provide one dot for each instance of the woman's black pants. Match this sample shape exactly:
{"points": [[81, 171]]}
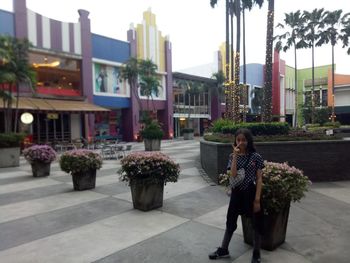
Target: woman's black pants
{"points": [[241, 203]]}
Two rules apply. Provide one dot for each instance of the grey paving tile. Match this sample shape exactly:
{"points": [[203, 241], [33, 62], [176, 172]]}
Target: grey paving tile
{"points": [[11, 180], [94, 241], [317, 248], [196, 203], [31, 228], [332, 211], [177, 245], [35, 193], [112, 189]]}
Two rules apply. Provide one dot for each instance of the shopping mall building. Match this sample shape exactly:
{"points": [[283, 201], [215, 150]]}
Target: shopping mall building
{"points": [[79, 92]]}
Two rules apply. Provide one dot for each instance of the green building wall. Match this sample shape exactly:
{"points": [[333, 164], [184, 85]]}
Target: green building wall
{"points": [[304, 74]]}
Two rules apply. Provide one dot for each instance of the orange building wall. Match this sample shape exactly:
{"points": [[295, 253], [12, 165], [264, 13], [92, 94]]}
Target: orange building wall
{"points": [[339, 80]]}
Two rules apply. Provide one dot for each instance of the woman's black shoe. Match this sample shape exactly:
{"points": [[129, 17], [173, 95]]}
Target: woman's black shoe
{"points": [[219, 253]]}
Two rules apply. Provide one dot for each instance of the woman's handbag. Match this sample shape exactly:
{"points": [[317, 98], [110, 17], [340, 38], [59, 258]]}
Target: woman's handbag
{"points": [[238, 179]]}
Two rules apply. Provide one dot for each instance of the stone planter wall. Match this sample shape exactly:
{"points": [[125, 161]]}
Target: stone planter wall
{"points": [[9, 157], [320, 160]]}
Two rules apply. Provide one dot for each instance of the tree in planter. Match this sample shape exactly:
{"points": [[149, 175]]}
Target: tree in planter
{"points": [[130, 73], [15, 71], [142, 74], [152, 133], [149, 81]]}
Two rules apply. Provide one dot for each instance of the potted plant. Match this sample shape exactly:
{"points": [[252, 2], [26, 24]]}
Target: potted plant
{"points": [[152, 135], [147, 173], [10, 149], [40, 157], [188, 133], [282, 184], [82, 165]]}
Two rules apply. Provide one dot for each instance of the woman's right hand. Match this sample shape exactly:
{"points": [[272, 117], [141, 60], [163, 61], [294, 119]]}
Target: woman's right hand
{"points": [[236, 149]]}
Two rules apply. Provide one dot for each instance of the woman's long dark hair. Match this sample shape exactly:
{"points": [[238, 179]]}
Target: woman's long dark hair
{"points": [[249, 137]]}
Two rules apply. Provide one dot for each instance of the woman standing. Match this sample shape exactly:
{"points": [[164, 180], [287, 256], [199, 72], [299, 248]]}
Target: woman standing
{"points": [[245, 198]]}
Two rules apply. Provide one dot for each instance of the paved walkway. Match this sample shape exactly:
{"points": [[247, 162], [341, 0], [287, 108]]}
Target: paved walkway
{"points": [[44, 220]]}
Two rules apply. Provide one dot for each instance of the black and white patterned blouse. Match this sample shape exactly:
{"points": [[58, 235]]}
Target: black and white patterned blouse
{"points": [[256, 162]]}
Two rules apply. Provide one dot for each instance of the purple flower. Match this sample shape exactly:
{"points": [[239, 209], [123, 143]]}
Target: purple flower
{"points": [[39, 153]]}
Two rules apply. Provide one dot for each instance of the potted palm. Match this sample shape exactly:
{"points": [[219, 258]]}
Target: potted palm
{"points": [[282, 184], [147, 173], [40, 157], [82, 165], [152, 135]]}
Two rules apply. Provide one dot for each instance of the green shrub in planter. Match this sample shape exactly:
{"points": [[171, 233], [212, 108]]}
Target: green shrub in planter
{"points": [[332, 124], [220, 123], [152, 131], [9, 140], [260, 128]]}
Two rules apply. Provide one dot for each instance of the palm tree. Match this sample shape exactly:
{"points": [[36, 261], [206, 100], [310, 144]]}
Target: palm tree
{"points": [[333, 21], [220, 79], [345, 32], [149, 81], [233, 7], [16, 71], [294, 22], [267, 105], [131, 73], [228, 97], [314, 22]]}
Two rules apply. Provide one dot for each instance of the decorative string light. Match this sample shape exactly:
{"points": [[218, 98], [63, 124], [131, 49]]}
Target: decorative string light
{"points": [[267, 98]]}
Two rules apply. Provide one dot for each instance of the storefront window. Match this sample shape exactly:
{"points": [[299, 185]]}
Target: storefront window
{"points": [[56, 75], [107, 80], [108, 125]]}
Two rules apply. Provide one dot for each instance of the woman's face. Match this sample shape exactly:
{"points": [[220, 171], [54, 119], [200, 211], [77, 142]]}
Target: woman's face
{"points": [[241, 141]]}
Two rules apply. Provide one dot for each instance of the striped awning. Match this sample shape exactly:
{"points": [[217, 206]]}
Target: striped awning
{"points": [[38, 104]]}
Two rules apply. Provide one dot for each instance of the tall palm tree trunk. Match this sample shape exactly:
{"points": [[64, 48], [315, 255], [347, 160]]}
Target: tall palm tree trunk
{"points": [[333, 96], [244, 72], [267, 112], [295, 87], [236, 113], [228, 114], [313, 86], [16, 110], [232, 54]]}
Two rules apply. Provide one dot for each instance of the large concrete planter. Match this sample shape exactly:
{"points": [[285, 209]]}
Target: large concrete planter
{"points": [[320, 160], [40, 169], [9, 157], [146, 196], [274, 228], [152, 144], [84, 180], [188, 135]]}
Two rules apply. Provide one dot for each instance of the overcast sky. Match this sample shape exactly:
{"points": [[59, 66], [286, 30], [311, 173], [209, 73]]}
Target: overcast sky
{"points": [[195, 29]]}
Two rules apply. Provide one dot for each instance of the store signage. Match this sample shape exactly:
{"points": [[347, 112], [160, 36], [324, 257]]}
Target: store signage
{"points": [[52, 116]]}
